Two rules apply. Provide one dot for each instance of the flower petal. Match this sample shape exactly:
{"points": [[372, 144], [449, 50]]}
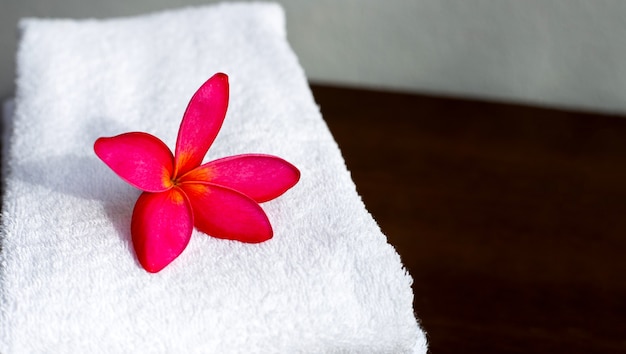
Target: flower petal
{"points": [[201, 122], [161, 227], [260, 177], [140, 159], [225, 213]]}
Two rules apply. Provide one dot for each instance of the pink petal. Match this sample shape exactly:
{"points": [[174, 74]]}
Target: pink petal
{"points": [[201, 123], [260, 177], [161, 228], [140, 159], [225, 213]]}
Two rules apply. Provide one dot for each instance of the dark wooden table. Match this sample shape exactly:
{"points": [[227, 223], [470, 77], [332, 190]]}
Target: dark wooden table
{"points": [[511, 219]]}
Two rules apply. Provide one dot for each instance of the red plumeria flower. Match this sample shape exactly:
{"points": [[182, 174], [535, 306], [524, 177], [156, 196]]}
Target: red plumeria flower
{"points": [[220, 198]]}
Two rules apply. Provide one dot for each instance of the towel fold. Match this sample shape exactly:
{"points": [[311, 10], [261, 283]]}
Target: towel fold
{"points": [[328, 282]]}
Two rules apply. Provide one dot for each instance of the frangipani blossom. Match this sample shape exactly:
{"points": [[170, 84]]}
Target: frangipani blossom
{"points": [[220, 198]]}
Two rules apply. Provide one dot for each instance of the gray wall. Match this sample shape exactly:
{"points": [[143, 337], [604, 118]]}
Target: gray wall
{"points": [[554, 52]]}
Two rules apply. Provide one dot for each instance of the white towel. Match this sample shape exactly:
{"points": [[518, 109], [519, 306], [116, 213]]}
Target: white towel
{"points": [[328, 282]]}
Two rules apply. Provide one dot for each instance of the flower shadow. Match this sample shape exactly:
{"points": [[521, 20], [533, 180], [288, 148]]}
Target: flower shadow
{"points": [[84, 177]]}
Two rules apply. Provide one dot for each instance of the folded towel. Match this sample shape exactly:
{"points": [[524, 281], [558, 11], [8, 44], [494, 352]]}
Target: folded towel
{"points": [[328, 281], [7, 118]]}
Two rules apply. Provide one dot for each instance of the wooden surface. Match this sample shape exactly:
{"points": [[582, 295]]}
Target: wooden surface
{"points": [[511, 219]]}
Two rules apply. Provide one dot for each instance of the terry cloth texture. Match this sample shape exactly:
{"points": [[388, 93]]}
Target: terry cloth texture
{"points": [[328, 282]]}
